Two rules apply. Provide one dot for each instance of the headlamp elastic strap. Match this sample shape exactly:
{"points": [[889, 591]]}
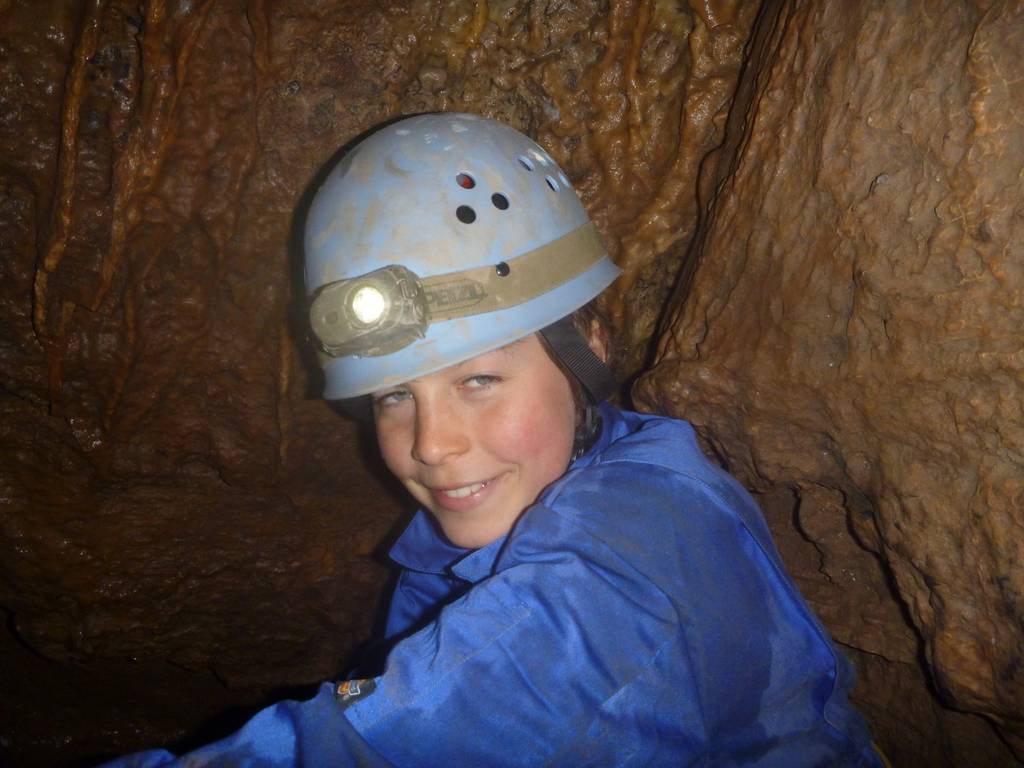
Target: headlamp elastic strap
{"points": [[513, 282], [411, 303]]}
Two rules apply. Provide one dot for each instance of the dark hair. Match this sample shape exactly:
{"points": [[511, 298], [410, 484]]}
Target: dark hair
{"points": [[592, 320], [593, 324]]}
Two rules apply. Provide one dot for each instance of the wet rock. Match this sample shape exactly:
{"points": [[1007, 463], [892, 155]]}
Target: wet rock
{"points": [[173, 490], [851, 331], [833, 244]]}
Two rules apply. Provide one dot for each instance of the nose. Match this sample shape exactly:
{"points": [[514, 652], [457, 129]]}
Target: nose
{"points": [[440, 433]]}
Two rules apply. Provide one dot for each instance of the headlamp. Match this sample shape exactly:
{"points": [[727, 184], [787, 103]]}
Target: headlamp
{"points": [[383, 311], [374, 314]]}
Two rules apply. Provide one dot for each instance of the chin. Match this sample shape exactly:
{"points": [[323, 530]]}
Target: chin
{"points": [[473, 536]]}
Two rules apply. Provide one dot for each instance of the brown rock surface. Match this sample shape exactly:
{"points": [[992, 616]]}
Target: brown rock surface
{"points": [[852, 329], [178, 507], [186, 528]]}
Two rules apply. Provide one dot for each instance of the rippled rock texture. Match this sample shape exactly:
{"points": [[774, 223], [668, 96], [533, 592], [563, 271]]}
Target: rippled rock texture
{"points": [[817, 201], [852, 330]]}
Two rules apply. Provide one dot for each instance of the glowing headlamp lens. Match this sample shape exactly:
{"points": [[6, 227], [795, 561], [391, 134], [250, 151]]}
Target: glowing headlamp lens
{"points": [[368, 304]]}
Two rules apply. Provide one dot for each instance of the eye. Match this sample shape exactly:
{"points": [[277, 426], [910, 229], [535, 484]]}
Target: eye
{"points": [[392, 397], [481, 381]]}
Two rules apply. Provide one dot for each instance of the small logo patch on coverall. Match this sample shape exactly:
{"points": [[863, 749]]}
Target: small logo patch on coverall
{"points": [[351, 690]]}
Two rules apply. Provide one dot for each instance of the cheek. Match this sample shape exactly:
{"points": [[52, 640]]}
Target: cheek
{"points": [[538, 433]]}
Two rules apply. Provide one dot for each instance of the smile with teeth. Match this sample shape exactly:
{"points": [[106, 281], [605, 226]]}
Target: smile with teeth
{"points": [[463, 492]]}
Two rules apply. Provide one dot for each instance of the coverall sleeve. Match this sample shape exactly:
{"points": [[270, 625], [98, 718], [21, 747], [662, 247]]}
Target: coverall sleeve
{"points": [[515, 672], [520, 669], [289, 733]]}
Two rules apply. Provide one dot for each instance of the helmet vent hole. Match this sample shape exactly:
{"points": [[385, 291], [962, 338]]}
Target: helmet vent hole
{"points": [[500, 201], [502, 269], [526, 162], [465, 181], [465, 214], [551, 183]]}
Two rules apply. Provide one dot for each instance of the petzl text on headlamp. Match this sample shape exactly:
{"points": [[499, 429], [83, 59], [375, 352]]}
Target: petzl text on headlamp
{"points": [[388, 309]]}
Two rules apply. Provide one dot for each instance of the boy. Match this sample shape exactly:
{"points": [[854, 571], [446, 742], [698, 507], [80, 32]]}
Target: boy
{"points": [[581, 587]]}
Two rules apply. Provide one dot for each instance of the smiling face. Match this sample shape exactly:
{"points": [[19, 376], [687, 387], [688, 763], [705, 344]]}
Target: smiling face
{"points": [[476, 443]]}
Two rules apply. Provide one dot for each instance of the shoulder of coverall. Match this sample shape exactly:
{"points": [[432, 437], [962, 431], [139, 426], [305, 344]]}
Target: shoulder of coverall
{"points": [[643, 466]]}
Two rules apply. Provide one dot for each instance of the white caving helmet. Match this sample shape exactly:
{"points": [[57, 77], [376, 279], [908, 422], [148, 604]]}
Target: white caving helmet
{"points": [[439, 238]]}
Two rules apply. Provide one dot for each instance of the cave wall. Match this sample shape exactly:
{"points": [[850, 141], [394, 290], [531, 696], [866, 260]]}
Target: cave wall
{"points": [[850, 339], [186, 528], [820, 193]]}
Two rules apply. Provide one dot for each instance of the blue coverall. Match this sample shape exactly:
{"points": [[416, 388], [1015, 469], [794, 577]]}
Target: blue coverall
{"points": [[636, 615]]}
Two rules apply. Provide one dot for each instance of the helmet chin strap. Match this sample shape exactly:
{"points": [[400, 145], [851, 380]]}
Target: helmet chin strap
{"points": [[587, 431], [596, 379], [572, 349]]}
